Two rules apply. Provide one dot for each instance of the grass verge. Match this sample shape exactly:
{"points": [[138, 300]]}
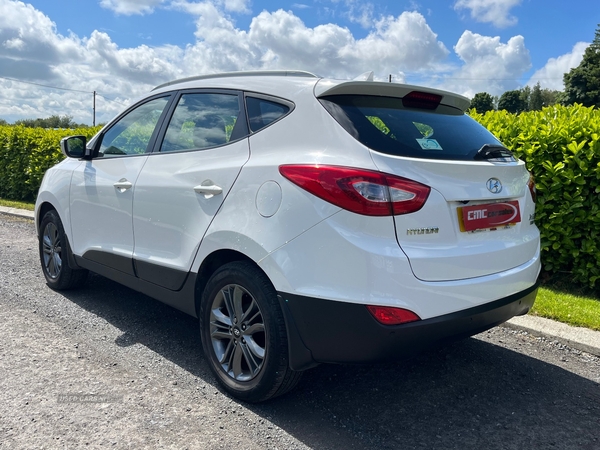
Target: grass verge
{"points": [[15, 204], [573, 309]]}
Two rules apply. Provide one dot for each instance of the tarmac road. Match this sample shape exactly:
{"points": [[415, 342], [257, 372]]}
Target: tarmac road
{"points": [[108, 367]]}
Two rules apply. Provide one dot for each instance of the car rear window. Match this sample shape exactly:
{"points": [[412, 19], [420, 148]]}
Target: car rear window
{"points": [[385, 125]]}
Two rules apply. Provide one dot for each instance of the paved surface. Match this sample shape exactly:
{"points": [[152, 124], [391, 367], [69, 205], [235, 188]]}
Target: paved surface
{"points": [[580, 338], [104, 366]]}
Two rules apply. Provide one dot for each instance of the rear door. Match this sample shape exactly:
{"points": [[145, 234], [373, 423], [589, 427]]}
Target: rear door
{"points": [[185, 181], [478, 219]]}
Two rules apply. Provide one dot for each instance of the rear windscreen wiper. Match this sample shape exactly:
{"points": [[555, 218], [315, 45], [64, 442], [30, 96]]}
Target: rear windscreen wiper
{"points": [[494, 152]]}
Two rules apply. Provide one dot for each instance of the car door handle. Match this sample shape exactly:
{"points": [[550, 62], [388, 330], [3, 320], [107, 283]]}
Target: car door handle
{"points": [[122, 185], [209, 190]]}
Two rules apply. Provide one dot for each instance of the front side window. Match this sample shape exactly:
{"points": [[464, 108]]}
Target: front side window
{"points": [[385, 125], [131, 134], [202, 120]]}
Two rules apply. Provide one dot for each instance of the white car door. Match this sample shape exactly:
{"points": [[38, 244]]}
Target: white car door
{"points": [[184, 182], [101, 200]]}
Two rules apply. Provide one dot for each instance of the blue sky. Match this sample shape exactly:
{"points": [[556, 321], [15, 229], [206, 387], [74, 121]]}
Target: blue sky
{"points": [[122, 48]]}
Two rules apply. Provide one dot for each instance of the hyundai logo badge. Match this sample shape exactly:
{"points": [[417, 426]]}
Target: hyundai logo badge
{"points": [[494, 185]]}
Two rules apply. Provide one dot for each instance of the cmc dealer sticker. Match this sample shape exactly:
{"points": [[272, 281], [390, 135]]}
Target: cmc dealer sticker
{"points": [[490, 215]]}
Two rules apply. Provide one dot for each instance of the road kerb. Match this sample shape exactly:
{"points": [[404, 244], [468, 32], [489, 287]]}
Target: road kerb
{"points": [[582, 339], [17, 212]]}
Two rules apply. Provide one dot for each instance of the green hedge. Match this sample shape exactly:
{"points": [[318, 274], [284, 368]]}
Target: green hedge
{"points": [[561, 147], [25, 154]]}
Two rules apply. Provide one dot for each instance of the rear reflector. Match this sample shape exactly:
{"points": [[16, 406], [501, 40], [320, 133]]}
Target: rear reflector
{"points": [[361, 191], [422, 100], [388, 315]]}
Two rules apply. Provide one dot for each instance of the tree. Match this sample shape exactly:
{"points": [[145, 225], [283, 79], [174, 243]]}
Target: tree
{"points": [[536, 100], [551, 97], [50, 122], [512, 101], [482, 102], [582, 83], [525, 94]]}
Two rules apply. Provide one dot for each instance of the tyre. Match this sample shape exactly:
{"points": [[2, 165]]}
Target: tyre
{"points": [[54, 250], [243, 333]]}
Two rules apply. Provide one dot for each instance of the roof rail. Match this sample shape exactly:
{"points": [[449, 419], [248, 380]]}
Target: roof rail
{"points": [[252, 73]]}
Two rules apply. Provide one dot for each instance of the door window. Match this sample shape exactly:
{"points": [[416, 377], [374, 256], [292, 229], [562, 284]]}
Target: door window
{"points": [[202, 120], [132, 133]]}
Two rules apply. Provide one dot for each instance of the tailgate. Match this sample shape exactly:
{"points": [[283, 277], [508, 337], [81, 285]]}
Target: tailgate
{"points": [[465, 230]]}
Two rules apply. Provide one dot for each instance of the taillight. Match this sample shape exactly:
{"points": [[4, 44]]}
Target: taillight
{"points": [[531, 185], [388, 315], [423, 100], [361, 191]]}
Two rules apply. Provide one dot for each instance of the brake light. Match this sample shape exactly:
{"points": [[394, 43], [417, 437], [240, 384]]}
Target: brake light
{"points": [[532, 189], [361, 191], [388, 315], [423, 100]]}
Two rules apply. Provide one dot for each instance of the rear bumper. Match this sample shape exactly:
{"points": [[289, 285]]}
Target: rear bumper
{"points": [[325, 331]]}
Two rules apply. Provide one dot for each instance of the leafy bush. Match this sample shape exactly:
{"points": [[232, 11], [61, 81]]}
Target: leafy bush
{"points": [[561, 147], [26, 154]]}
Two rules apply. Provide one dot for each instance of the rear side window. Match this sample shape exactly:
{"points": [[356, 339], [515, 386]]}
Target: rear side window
{"points": [[263, 112], [202, 120], [385, 125]]}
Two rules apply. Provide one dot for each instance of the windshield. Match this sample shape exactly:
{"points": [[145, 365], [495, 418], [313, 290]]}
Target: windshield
{"points": [[385, 125]]}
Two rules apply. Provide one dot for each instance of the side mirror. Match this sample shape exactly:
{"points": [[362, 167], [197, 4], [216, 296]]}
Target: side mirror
{"points": [[74, 147]]}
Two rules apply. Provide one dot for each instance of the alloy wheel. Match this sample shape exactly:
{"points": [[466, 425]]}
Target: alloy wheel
{"points": [[52, 251], [237, 332]]}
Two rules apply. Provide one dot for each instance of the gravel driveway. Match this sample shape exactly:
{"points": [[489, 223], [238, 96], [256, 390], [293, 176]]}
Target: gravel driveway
{"points": [[108, 367]]}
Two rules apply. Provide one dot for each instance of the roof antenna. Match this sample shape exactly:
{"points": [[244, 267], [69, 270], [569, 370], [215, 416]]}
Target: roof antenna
{"points": [[367, 76]]}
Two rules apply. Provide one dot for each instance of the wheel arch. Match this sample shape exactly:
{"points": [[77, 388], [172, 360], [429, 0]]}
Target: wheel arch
{"points": [[43, 208], [211, 263], [300, 357]]}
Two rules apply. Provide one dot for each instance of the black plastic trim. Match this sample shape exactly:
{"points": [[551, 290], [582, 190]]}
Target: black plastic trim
{"points": [[166, 277], [326, 331], [183, 299], [117, 262]]}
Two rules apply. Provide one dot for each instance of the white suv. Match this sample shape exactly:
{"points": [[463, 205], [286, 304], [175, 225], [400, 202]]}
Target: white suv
{"points": [[302, 220]]}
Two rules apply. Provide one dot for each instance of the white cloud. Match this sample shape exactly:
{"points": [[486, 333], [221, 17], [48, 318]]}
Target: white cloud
{"points": [[196, 8], [130, 7], [32, 50], [489, 65], [396, 44], [551, 75], [361, 12], [281, 40], [496, 12], [236, 5]]}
